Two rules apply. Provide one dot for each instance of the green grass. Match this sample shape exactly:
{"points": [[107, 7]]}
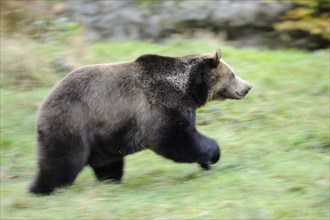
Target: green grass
{"points": [[275, 147]]}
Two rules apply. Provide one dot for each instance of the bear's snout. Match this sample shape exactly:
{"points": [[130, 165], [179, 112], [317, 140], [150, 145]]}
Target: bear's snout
{"points": [[243, 93]]}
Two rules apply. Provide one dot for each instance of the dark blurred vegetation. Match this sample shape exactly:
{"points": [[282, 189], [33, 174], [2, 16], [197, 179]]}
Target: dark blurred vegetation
{"points": [[39, 20], [306, 24], [24, 28]]}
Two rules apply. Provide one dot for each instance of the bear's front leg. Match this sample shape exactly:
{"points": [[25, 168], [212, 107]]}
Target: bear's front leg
{"points": [[214, 151], [182, 143]]}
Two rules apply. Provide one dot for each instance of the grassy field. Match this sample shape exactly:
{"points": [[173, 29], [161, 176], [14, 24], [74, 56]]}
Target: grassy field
{"points": [[275, 146]]}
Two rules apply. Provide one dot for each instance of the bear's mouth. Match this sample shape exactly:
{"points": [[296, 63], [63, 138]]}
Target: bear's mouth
{"points": [[226, 95], [239, 95]]}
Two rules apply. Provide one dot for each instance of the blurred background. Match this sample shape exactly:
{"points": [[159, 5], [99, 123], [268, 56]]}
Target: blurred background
{"points": [[275, 143], [76, 24]]}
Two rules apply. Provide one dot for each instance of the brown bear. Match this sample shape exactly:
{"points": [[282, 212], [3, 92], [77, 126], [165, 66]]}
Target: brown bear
{"points": [[98, 114]]}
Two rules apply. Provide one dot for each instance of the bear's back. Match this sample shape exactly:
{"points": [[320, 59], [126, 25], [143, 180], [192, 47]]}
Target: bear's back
{"points": [[93, 94]]}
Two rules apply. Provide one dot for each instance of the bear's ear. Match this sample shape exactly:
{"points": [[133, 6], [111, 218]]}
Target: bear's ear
{"points": [[216, 57]]}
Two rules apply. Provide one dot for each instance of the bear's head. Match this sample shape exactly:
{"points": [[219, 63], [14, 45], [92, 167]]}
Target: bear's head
{"points": [[177, 82], [225, 84]]}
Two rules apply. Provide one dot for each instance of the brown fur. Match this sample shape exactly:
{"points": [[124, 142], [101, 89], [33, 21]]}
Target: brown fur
{"points": [[100, 113]]}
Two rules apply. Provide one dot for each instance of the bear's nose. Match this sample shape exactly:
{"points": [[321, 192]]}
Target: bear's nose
{"points": [[247, 90]]}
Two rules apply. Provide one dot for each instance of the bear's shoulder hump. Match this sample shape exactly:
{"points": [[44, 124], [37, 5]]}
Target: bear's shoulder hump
{"points": [[154, 58]]}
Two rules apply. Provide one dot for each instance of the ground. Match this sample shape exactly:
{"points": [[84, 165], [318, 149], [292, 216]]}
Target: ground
{"points": [[275, 148]]}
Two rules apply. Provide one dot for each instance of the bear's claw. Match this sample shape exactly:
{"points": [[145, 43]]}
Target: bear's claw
{"points": [[205, 166]]}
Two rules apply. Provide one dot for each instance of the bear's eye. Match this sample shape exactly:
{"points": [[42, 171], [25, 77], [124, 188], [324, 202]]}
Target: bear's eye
{"points": [[232, 77]]}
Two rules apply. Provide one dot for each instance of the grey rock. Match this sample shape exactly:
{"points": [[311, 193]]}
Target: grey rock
{"points": [[157, 19]]}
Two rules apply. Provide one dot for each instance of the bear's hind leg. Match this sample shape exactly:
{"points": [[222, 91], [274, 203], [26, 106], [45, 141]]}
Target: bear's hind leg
{"points": [[112, 171], [58, 163], [53, 177]]}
